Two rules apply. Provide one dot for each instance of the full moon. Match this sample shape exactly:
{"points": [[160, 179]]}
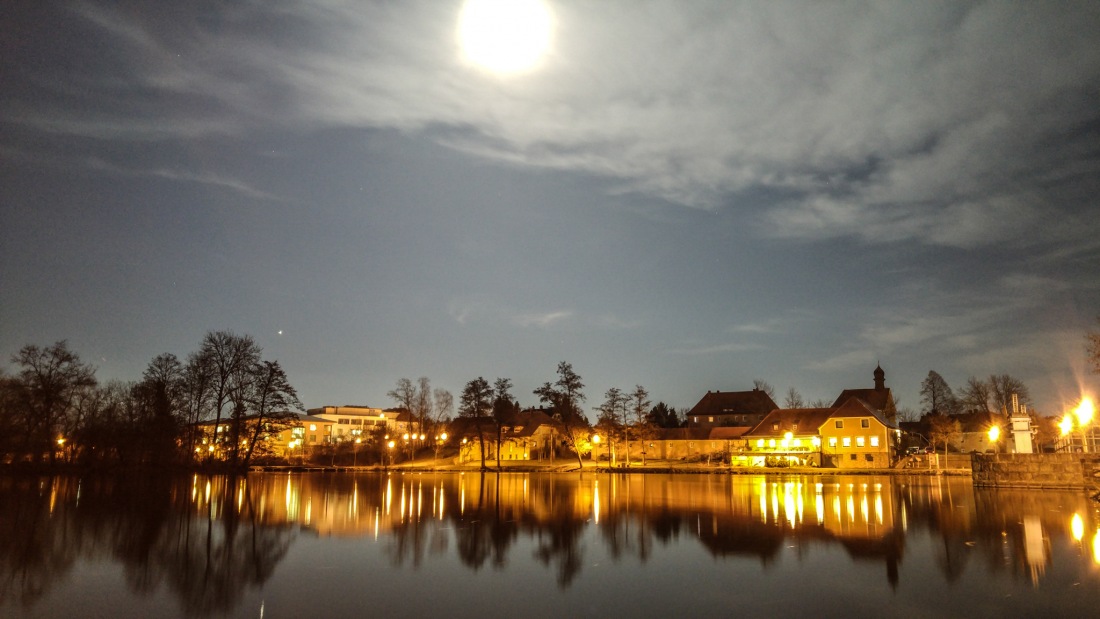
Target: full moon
{"points": [[505, 36]]}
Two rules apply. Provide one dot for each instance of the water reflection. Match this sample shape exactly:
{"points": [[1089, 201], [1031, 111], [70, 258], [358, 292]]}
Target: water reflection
{"points": [[208, 541]]}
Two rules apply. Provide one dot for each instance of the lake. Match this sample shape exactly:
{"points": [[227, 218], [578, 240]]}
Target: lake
{"points": [[542, 545]]}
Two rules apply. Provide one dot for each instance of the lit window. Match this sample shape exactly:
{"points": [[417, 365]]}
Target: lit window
{"points": [[775, 426], [760, 442], [865, 423], [859, 441], [832, 441], [874, 441], [710, 419], [839, 424], [312, 427], [771, 443], [847, 441]]}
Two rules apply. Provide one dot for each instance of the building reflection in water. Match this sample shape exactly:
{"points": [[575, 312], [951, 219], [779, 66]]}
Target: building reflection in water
{"points": [[211, 538]]}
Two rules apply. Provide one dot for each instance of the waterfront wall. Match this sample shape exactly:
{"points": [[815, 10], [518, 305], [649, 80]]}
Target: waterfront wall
{"points": [[1061, 470]]}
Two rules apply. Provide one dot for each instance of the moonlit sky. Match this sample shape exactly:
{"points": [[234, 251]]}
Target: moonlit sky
{"points": [[683, 195]]}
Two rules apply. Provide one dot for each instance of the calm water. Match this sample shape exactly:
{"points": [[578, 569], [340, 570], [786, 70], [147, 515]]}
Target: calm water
{"points": [[538, 545]]}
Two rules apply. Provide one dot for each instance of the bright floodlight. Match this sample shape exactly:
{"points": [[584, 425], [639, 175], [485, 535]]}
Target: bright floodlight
{"points": [[1084, 412], [505, 36], [1066, 425]]}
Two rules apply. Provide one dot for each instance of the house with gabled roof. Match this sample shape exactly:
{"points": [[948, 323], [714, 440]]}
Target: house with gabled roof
{"points": [[857, 436], [880, 398], [787, 437], [855, 432], [730, 409]]}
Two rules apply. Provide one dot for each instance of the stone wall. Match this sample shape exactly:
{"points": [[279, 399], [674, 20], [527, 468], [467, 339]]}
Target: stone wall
{"points": [[1062, 470]]}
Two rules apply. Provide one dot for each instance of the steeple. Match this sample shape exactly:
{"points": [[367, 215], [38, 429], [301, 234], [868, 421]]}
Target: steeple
{"points": [[880, 378]]}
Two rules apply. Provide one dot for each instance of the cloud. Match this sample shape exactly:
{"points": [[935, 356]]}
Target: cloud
{"points": [[203, 178], [716, 349], [957, 124], [542, 320]]}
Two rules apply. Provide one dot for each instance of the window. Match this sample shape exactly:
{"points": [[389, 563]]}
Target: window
{"points": [[832, 441], [865, 423], [794, 427], [313, 438], [710, 419], [874, 441], [839, 424], [852, 457], [860, 441], [775, 426], [847, 441]]}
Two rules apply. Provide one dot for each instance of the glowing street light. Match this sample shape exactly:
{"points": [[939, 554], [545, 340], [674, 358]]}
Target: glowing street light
{"points": [[994, 435]]}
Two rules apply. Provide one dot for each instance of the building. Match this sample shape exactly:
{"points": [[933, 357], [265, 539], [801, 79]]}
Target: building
{"points": [[348, 422], [529, 435], [879, 399], [730, 409], [857, 431]]}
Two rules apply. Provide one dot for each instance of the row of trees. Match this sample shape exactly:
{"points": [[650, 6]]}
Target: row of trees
{"points": [[53, 407], [623, 417], [977, 396]]}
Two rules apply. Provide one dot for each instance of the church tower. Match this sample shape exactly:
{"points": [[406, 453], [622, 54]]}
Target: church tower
{"points": [[880, 378]]}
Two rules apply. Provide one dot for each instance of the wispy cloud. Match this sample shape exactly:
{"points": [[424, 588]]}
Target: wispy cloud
{"points": [[931, 142], [542, 320], [202, 178], [716, 349]]}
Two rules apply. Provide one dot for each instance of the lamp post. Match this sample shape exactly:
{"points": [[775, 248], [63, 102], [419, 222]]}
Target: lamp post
{"points": [[994, 436], [595, 441]]}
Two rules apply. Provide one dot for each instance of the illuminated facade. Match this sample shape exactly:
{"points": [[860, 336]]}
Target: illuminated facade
{"points": [[346, 422]]}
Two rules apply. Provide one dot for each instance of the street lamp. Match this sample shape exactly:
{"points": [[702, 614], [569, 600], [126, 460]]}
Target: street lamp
{"points": [[596, 441], [1083, 414], [994, 436]]}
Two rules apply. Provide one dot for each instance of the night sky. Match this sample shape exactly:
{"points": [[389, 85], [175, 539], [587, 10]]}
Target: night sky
{"points": [[682, 195]]}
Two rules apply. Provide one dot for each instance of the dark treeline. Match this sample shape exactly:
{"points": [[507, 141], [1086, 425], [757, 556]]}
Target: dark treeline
{"points": [[53, 410]]}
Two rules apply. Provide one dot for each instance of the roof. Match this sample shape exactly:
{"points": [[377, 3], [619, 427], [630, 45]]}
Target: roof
{"points": [[857, 407], [807, 420], [878, 399], [733, 402]]}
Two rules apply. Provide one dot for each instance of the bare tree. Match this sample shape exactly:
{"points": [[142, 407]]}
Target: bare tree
{"points": [[1001, 389], [639, 405], [444, 404], [504, 409], [564, 397], [404, 394], [762, 385], [229, 359], [273, 402], [975, 396], [937, 396], [611, 419], [46, 388], [944, 430], [793, 399]]}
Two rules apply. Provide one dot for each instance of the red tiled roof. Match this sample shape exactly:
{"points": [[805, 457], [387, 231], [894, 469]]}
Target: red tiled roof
{"points": [[733, 402], [858, 407], [807, 420], [877, 399]]}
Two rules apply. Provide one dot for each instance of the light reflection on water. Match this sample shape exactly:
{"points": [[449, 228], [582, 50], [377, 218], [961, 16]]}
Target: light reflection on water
{"points": [[582, 544]]}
